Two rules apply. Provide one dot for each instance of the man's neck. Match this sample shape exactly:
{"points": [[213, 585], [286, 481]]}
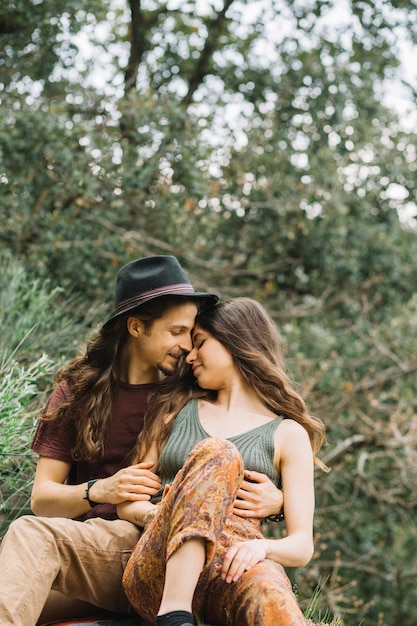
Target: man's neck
{"points": [[136, 376]]}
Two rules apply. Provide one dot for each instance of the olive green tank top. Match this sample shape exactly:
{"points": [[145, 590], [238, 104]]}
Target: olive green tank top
{"points": [[256, 446]]}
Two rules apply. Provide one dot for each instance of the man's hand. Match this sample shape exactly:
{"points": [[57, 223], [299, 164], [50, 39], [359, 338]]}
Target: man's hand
{"points": [[258, 497], [133, 483]]}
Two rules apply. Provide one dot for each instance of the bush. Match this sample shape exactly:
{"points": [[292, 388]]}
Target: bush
{"points": [[19, 403], [41, 327]]}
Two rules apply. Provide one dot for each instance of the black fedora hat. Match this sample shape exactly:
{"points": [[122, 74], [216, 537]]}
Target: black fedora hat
{"points": [[152, 277]]}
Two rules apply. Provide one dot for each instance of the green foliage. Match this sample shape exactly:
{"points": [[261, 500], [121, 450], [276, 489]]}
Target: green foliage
{"points": [[19, 399], [37, 317], [36, 320]]}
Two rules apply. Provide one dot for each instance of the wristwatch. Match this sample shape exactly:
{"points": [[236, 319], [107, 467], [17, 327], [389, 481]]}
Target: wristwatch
{"points": [[279, 517], [90, 483]]}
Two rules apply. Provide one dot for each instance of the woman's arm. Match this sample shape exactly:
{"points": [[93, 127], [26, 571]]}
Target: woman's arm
{"points": [[52, 497], [296, 465], [294, 459], [139, 513]]}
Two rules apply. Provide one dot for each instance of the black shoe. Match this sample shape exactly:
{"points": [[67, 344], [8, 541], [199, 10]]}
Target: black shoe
{"points": [[174, 617]]}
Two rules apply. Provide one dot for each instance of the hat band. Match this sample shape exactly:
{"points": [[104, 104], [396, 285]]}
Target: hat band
{"points": [[182, 289]]}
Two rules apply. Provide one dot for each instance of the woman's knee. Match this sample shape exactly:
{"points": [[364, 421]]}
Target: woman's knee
{"points": [[213, 447], [267, 576], [264, 595]]}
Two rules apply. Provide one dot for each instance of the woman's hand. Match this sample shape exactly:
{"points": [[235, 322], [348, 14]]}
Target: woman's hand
{"points": [[240, 558]]}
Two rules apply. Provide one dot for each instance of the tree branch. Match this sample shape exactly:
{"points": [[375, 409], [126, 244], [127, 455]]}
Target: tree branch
{"points": [[215, 29], [140, 24], [351, 442], [10, 23]]}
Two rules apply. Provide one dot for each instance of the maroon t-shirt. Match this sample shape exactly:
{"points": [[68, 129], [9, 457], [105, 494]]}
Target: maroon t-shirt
{"points": [[55, 439]]}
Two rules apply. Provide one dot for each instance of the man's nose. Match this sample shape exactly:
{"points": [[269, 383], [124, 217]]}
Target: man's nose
{"points": [[191, 356], [186, 344]]}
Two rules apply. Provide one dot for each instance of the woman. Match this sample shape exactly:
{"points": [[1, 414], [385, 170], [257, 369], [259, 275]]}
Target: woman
{"points": [[196, 556]]}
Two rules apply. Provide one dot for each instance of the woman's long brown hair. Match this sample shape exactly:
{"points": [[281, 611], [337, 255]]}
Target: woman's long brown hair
{"points": [[244, 328]]}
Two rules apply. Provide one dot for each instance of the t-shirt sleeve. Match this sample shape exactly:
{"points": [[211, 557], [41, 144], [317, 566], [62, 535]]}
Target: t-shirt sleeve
{"points": [[55, 439]]}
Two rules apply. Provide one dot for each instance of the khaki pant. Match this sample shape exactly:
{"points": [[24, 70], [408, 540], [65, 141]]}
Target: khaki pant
{"points": [[200, 504], [82, 560]]}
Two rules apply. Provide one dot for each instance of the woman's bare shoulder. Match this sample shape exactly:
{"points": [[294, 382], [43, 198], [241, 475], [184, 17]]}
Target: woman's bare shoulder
{"points": [[290, 433], [291, 427]]}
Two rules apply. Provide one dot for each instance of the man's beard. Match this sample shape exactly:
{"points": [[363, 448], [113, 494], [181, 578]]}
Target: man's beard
{"points": [[168, 371]]}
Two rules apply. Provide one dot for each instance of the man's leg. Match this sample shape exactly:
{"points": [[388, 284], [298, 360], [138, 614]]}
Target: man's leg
{"points": [[59, 607], [82, 560]]}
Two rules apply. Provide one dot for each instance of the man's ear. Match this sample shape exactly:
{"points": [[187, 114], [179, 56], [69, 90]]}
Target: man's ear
{"points": [[135, 326]]}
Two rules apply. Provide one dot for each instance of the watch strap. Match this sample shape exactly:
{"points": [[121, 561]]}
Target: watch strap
{"points": [[90, 483]]}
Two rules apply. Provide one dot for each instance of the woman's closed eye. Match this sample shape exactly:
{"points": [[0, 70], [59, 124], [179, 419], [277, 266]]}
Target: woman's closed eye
{"points": [[198, 340]]}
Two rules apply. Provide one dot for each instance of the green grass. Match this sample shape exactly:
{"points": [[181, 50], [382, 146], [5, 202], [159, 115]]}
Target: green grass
{"points": [[19, 407], [317, 616]]}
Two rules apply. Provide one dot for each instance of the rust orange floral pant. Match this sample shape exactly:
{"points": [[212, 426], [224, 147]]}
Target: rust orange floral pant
{"points": [[200, 504]]}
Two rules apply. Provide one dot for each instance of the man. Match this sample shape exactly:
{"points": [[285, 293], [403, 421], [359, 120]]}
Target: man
{"points": [[87, 431]]}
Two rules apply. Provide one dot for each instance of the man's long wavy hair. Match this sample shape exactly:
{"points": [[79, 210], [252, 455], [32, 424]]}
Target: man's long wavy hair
{"points": [[245, 329], [93, 378]]}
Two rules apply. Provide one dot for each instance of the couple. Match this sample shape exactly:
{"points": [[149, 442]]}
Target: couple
{"points": [[88, 429]]}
